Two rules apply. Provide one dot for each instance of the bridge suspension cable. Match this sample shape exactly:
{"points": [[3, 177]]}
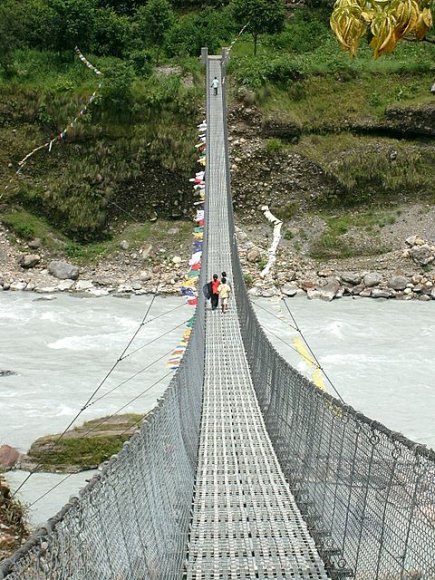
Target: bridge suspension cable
{"points": [[297, 328], [83, 408], [96, 426]]}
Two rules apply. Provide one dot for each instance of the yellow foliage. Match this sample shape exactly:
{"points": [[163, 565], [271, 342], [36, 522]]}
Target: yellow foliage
{"points": [[387, 20]]}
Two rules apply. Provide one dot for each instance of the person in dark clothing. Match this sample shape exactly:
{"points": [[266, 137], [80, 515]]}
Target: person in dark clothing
{"points": [[214, 292]]}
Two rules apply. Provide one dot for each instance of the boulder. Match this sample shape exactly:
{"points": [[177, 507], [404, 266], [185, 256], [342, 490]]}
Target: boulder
{"points": [[254, 291], [253, 255], [372, 279], [83, 285], [124, 245], [351, 277], [137, 285], [380, 293], [313, 294], [29, 260], [65, 285], [144, 276], [176, 260], [34, 244], [325, 273], [17, 285], [423, 297], [329, 290], [411, 240], [63, 270], [8, 456], [422, 255], [99, 292], [398, 282], [45, 289], [289, 290]]}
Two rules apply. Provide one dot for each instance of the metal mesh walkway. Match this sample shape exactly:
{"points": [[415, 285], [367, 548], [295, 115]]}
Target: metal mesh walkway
{"points": [[245, 521]]}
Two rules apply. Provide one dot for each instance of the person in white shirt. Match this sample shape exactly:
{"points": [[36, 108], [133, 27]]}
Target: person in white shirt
{"points": [[215, 85]]}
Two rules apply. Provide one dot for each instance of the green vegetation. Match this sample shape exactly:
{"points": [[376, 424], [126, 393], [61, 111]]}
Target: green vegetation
{"points": [[249, 280], [366, 169], [288, 211], [137, 137], [259, 16], [86, 446], [353, 234]]}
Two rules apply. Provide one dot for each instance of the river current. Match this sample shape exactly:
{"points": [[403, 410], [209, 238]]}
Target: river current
{"points": [[379, 356]]}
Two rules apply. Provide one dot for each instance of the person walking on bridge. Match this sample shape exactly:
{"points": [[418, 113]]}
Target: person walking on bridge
{"points": [[224, 275], [214, 292], [215, 85], [224, 294]]}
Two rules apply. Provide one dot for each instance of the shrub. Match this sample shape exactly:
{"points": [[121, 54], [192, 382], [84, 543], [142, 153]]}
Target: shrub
{"points": [[116, 92], [273, 145], [112, 33]]}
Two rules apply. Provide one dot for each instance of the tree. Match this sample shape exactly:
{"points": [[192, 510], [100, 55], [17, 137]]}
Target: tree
{"points": [[153, 22], [11, 33], [259, 16], [40, 23], [112, 33], [385, 22], [74, 22]]}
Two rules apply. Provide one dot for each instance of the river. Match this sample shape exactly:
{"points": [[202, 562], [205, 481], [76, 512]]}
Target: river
{"points": [[377, 354]]}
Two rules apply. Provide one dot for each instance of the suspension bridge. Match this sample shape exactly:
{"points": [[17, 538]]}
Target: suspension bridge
{"points": [[244, 469]]}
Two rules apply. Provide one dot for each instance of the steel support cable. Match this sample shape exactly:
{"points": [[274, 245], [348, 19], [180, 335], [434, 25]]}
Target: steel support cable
{"points": [[315, 359], [94, 427], [83, 408], [129, 379], [155, 339], [381, 458]]}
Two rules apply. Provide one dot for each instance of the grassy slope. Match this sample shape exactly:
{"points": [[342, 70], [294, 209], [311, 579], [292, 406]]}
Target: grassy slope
{"points": [[325, 98], [73, 185], [300, 77]]}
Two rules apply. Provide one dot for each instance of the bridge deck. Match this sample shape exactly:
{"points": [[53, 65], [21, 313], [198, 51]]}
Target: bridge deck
{"points": [[245, 521]]}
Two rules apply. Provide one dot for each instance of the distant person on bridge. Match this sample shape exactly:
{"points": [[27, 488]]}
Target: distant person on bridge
{"points": [[214, 291], [224, 275], [224, 294], [215, 85]]}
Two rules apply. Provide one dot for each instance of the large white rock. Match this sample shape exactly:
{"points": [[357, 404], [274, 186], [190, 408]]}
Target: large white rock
{"points": [[83, 285], [398, 282], [289, 290], [17, 285], [372, 279], [351, 277], [63, 270], [329, 290], [65, 285]]}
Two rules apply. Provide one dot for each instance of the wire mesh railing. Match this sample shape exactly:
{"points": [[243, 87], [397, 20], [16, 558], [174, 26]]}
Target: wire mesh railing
{"points": [[131, 521], [367, 493]]}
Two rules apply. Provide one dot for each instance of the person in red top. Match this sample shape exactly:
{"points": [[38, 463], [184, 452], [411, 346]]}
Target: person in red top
{"points": [[214, 293]]}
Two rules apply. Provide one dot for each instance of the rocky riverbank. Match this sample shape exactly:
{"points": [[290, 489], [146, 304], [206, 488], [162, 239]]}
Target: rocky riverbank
{"points": [[79, 449], [13, 529], [405, 272]]}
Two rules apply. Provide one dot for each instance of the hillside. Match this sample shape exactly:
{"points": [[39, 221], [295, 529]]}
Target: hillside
{"points": [[341, 149]]}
